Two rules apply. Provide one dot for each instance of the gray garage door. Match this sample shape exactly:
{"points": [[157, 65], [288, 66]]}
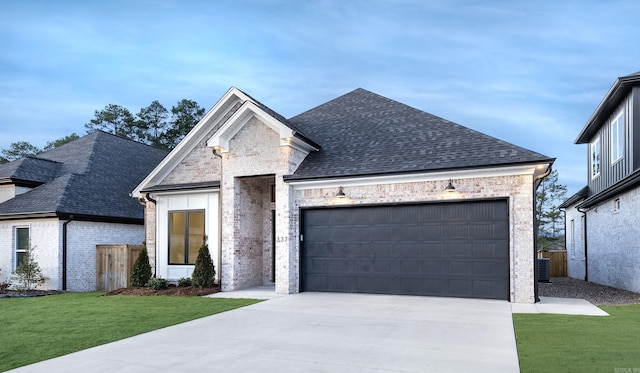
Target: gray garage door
{"points": [[457, 249]]}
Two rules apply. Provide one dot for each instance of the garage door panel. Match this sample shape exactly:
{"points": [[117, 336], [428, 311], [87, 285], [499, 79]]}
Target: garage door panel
{"points": [[380, 233], [432, 250], [453, 230], [459, 249], [444, 249], [462, 267], [433, 267], [431, 231]]}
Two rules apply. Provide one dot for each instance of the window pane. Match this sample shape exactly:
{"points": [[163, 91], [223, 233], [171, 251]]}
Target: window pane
{"points": [[196, 234], [20, 258], [22, 238], [595, 158], [176, 238], [617, 138]]}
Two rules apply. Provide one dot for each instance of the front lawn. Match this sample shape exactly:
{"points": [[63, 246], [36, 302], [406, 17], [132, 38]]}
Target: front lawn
{"points": [[563, 343], [36, 329]]}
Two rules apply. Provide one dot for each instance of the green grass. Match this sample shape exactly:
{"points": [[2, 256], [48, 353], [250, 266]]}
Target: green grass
{"points": [[36, 329], [562, 343]]}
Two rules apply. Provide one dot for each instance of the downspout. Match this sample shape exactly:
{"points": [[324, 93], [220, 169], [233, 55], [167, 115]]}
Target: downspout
{"points": [[64, 252], [148, 198], [536, 183], [219, 271], [584, 234]]}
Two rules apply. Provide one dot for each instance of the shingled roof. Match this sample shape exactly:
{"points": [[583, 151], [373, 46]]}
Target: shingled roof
{"points": [[362, 133], [90, 177]]}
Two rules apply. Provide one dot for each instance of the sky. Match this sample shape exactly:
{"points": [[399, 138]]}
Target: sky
{"points": [[527, 72]]}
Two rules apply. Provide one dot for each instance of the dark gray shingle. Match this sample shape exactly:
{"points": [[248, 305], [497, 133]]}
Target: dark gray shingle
{"points": [[362, 133], [94, 177]]}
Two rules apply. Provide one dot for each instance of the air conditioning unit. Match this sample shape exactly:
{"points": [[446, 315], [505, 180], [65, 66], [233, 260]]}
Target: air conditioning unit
{"points": [[544, 269]]}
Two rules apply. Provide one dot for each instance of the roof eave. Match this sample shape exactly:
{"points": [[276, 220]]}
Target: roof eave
{"points": [[622, 186], [618, 90], [293, 178]]}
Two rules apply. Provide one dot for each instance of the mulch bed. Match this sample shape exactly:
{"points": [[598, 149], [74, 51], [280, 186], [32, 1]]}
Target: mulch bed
{"points": [[566, 287], [27, 293], [172, 290]]}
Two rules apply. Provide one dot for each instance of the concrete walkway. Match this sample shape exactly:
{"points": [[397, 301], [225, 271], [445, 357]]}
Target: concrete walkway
{"points": [[562, 306], [319, 332]]}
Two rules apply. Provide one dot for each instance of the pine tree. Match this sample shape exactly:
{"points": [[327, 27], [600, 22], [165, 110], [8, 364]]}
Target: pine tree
{"points": [[141, 271], [204, 273], [549, 218]]}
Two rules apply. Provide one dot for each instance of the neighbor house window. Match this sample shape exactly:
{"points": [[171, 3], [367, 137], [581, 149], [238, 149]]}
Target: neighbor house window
{"points": [[617, 138], [573, 239], [186, 234], [22, 244], [595, 157]]}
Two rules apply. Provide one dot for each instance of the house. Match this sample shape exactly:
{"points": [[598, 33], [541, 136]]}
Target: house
{"points": [[601, 220], [360, 194], [64, 201]]}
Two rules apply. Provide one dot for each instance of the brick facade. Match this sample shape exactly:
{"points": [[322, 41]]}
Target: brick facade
{"points": [[518, 189], [82, 238], [613, 244]]}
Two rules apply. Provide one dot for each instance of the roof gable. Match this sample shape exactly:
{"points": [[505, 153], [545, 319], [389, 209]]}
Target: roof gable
{"points": [[618, 91], [362, 133], [218, 126], [243, 115]]}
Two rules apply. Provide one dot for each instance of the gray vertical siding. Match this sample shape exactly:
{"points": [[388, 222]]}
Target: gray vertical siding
{"points": [[634, 127], [612, 173]]}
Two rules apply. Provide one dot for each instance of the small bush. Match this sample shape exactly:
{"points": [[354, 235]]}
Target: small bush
{"points": [[141, 271], [29, 274], [204, 273], [184, 282], [4, 285], [158, 283]]}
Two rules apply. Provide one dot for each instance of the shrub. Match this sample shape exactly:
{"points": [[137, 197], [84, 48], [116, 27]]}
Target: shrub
{"points": [[204, 273], [158, 283], [184, 282], [4, 285], [141, 271], [28, 274]]}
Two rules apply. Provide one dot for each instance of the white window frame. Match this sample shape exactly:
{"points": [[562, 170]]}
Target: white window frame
{"points": [[617, 139], [17, 250], [616, 205], [595, 163]]}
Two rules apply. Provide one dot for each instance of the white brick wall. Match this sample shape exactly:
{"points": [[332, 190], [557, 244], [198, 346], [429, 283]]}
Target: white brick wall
{"points": [[82, 238], [614, 244], [45, 236], [575, 243]]}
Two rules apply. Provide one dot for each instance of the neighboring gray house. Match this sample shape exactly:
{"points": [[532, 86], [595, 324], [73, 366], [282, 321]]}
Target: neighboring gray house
{"points": [[66, 200], [602, 220], [360, 194]]}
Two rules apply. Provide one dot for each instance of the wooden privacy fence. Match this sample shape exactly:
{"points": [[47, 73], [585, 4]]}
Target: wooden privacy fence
{"points": [[557, 262], [113, 265]]}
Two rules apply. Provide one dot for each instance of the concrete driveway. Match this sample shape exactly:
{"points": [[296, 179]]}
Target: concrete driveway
{"points": [[319, 332]]}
